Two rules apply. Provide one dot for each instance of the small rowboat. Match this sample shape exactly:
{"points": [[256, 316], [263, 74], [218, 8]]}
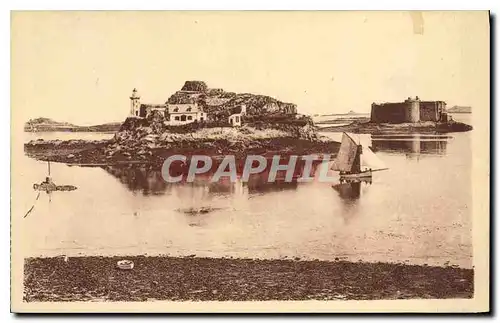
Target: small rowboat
{"points": [[49, 187], [125, 264]]}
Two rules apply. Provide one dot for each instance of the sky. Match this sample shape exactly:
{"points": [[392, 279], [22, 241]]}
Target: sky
{"points": [[81, 67]]}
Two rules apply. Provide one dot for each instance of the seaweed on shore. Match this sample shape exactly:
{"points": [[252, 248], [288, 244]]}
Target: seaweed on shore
{"points": [[223, 279]]}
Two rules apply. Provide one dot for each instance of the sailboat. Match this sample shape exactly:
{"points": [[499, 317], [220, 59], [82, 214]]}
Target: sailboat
{"points": [[355, 160]]}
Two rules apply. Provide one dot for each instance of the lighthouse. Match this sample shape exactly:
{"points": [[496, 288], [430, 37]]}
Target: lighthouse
{"points": [[135, 103]]}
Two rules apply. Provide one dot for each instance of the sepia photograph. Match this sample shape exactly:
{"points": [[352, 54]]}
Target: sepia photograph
{"points": [[250, 161]]}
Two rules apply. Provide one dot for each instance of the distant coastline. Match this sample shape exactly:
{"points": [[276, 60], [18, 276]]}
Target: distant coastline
{"points": [[350, 113], [49, 125], [459, 109]]}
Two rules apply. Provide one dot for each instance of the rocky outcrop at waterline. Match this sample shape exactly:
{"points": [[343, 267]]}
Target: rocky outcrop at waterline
{"points": [[69, 151], [152, 150], [151, 141], [428, 127]]}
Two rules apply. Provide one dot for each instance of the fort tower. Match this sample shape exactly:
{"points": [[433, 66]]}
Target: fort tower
{"points": [[413, 110]]}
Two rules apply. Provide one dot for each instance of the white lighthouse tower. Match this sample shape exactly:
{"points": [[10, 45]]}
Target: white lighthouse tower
{"points": [[135, 103]]}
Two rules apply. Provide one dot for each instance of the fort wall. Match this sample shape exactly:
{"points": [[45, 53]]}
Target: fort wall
{"points": [[409, 111], [389, 112]]}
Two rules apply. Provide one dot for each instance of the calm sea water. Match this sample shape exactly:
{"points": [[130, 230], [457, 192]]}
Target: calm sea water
{"points": [[418, 211]]}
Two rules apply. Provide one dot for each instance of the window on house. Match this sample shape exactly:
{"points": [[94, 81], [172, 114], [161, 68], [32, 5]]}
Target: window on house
{"points": [[176, 109], [190, 118], [188, 109], [237, 119], [136, 113], [201, 119], [177, 118], [183, 118]]}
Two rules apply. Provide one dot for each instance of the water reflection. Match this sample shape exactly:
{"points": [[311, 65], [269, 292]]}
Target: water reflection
{"points": [[148, 180], [412, 145], [397, 218], [350, 190], [259, 184], [145, 179]]}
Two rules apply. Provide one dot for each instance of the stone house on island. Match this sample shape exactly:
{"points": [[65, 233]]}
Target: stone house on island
{"points": [[235, 118], [175, 114], [185, 113]]}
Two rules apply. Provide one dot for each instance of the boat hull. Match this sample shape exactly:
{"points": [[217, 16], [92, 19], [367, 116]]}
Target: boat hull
{"points": [[366, 174]]}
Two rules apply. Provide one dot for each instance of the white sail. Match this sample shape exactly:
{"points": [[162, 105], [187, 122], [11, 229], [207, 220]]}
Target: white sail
{"points": [[370, 161], [346, 156]]}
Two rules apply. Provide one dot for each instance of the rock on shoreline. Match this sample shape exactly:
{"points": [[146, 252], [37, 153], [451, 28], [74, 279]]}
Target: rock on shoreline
{"points": [[402, 128], [111, 153], [65, 150], [223, 279]]}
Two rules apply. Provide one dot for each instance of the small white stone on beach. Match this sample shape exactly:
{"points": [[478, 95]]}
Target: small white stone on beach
{"points": [[125, 264]]}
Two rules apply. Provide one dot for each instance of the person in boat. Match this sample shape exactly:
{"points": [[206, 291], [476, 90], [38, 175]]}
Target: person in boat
{"points": [[48, 184]]}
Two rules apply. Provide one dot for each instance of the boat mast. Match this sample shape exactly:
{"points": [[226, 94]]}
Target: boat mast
{"points": [[356, 165]]}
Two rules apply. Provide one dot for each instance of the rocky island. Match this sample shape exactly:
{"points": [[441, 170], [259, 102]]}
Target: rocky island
{"points": [[195, 120]]}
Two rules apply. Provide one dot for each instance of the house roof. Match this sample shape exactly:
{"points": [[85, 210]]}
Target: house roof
{"points": [[147, 105], [184, 108]]}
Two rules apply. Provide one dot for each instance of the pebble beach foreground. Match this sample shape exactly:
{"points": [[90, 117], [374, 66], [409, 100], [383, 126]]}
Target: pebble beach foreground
{"points": [[222, 279]]}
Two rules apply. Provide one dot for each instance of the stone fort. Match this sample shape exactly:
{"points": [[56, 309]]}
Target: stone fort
{"points": [[409, 111]]}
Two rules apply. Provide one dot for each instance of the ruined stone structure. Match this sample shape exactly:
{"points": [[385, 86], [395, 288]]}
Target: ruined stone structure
{"points": [[146, 109], [409, 111]]}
